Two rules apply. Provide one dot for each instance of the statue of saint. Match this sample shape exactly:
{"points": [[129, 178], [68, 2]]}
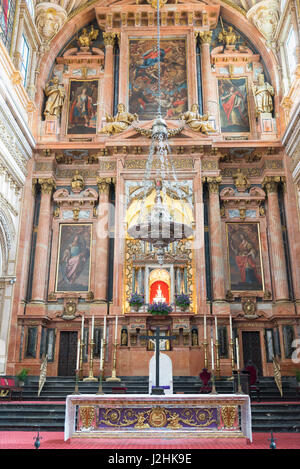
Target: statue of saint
{"points": [[240, 180], [77, 183], [56, 98], [120, 122], [196, 122], [263, 93], [159, 298], [124, 337], [194, 337], [86, 39]]}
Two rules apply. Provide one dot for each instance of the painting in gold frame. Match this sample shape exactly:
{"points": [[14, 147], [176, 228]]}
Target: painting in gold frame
{"points": [[143, 77], [244, 257], [82, 107], [74, 258], [233, 104]]}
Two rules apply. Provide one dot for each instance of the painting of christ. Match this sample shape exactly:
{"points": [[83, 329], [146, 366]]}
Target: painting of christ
{"points": [[143, 78], [245, 266], [82, 114], [233, 105], [73, 265]]}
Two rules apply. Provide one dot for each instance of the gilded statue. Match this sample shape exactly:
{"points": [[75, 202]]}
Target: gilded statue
{"points": [[86, 39], [263, 93], [120, 122], [56, 98], [77, 183], [228, 37], [240, 180], [196, 122]]}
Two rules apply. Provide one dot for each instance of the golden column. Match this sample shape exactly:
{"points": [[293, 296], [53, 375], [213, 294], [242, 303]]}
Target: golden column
{"points": [[42, 241]]}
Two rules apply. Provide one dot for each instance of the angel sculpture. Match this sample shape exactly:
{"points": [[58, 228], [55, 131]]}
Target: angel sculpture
{"points": [[120, 122], [196, 122], [86, 39]]}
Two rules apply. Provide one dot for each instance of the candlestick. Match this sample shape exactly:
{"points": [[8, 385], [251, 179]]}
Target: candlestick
{"points": [[104, 329], [230, 326], [78, 354], [204, 328], [216, 328], [91, 362], [102, 355], [116, 329], [237, 354], [82, 327], [76, 390], [93, 325], [212, 355], [114, 368]]}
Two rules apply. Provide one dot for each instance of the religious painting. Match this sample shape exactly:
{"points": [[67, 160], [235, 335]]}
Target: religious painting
{"points": [[244, 253], [82, 108], [7, 14], [73, 261], [233, 105], [143, 78]]}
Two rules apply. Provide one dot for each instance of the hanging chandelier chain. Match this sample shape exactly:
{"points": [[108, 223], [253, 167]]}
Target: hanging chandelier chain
{"points": [[158, 57]]}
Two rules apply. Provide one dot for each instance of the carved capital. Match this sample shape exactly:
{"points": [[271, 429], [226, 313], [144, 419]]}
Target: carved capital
{"points": [[270, 183], [213, 184], [205, 37], [47, 185], [103, 185], [109, 38]]}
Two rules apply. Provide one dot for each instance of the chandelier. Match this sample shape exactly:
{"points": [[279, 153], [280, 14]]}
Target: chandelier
{"points": [[157, 226]]}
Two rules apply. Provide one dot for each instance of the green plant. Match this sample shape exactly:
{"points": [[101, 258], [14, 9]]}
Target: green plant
{"points": [[22, 375], [182, 300], [298, 376], [136, 300]]}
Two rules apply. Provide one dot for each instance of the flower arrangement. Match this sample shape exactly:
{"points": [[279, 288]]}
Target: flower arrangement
{"points": [[183, 301], [159, 308], [136, 300]]}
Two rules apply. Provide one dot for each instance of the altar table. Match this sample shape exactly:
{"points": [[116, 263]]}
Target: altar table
{"points": [[153, 416]]}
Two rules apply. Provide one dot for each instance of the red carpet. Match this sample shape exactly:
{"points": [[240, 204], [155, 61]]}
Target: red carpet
{"points": [[55, 440]]}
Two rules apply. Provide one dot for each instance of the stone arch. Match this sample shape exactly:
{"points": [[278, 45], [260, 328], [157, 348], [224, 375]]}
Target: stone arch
{"points": [[86, 15]]}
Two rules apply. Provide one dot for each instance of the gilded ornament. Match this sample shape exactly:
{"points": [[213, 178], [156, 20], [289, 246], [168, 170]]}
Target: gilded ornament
{"points": [[47, 185], [229, 414], [158, 417], [86, 39], [205, 37], [240, 180], [228, 37], [87, 415]]}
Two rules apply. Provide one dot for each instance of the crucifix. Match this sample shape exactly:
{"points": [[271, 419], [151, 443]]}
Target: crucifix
{"points": [[156, 339]]}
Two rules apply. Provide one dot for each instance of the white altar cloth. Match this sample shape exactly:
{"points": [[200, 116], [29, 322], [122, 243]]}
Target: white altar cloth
{"points": [[109, 401]]}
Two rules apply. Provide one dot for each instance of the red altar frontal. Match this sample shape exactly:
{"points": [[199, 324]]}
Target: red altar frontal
{"points": [[172, 416]]}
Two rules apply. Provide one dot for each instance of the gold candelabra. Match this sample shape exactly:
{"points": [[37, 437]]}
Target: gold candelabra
{"points": [[91, 362], [114, 369], [76, 390], [205, 344], [218, 368], [239, 391]]}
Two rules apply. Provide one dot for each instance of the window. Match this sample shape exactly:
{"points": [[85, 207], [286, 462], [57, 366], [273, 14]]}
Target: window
{"points": [[25, 59], [7, 15], [30, 7], [291, 51], [288, 337]]}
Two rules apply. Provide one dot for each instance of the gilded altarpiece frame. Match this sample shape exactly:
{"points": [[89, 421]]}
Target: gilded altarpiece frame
{"points": [[245, 267]]}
